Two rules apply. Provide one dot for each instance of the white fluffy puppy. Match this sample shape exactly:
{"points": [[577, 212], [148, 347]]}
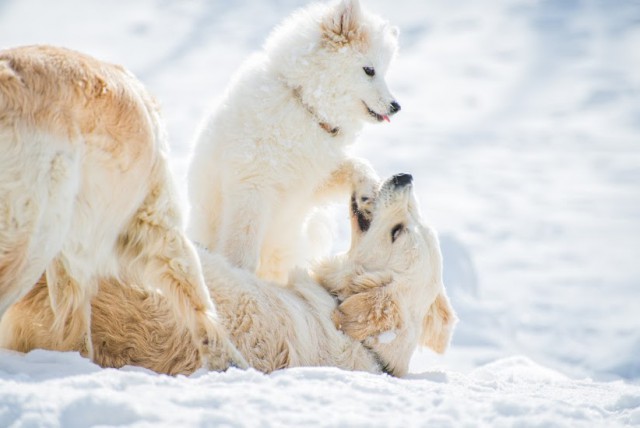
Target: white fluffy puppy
{"points": [[276, 145]]}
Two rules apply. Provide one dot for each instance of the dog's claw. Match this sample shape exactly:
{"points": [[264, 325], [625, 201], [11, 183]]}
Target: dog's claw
{"points": [[364, 207], [363, 215]]}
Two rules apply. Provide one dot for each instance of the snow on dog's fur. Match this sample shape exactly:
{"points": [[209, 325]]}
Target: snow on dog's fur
{"points": [[85, 193], [276, 146], [390, 281]]}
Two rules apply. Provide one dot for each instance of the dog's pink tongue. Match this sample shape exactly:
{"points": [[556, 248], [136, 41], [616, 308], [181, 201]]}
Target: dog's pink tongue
{"points": [[385, 117]]}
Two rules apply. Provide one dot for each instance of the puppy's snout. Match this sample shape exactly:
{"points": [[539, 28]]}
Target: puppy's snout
{"points": [[394, 107], [401, 180]]}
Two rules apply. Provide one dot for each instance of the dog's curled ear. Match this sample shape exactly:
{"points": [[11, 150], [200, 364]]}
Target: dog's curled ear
{"points": [[368, 313], [342, 25], [438, 323]]}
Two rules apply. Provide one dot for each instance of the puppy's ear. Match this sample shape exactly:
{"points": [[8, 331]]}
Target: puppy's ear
{"points": [[438, 323], [342, 25]]}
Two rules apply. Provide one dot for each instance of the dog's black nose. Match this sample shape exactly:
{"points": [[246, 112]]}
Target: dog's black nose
{"points": [[401, 180], [395, 107]]}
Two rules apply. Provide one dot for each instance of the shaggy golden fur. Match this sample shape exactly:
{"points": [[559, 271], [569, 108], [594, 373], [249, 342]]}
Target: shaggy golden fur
{"points": [[385, 287], [86, 194]]}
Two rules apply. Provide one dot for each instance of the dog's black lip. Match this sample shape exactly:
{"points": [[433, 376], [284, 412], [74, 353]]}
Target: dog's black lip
{"points": [[372, 113], [385, 367], [363, 222]]}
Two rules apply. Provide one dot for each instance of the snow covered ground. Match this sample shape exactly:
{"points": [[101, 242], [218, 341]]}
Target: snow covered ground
{"points": [[521, 125], [66, 390]]}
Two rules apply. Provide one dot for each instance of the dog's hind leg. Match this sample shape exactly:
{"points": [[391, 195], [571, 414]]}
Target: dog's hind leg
{"points": [[71, 305], [38, 184], [37, 205]]}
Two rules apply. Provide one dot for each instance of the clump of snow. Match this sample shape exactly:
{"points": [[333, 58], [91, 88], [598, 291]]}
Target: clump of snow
{"points": [[520, 123]]}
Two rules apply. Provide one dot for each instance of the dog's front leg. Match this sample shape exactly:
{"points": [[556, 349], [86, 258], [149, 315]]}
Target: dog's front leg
{"points": [[365, 184], [245, 221], [354, 176]]}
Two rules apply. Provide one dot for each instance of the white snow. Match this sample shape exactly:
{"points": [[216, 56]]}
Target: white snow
{"points": [[521, 125], [62, 389]]}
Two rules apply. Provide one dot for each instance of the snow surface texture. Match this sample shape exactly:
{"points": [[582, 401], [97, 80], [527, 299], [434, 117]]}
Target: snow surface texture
{"points": [[521, 125]]}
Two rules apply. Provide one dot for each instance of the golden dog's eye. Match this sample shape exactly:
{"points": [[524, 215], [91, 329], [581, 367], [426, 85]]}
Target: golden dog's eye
{"points": [[396, 231], [370, 71]]}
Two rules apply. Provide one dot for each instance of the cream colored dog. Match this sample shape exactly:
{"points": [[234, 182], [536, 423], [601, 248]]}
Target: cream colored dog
{"points": [[275, 148], [86, 193], [390, 282]]}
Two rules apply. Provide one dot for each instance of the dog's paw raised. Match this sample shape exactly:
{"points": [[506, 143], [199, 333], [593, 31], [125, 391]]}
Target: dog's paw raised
{"points": [[362, 206], [367, 314]]}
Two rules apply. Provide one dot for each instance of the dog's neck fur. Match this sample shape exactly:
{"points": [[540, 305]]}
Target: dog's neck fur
{"points": [[297, 95]]}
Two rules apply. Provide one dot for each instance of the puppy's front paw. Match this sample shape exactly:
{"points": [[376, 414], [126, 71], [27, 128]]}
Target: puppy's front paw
{"points": [[367, 314], [362, 201]]}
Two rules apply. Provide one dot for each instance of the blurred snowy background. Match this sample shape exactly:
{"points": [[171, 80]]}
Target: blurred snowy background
{"points": [[520, 123]]}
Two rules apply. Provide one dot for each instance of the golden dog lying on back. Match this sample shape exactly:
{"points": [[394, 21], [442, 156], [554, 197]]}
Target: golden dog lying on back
{"points": [[86, 195], [389, 282]]}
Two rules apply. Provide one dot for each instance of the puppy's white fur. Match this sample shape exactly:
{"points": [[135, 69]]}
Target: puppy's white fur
{"points": [[386, 286], [86, 193], [276, 145]]}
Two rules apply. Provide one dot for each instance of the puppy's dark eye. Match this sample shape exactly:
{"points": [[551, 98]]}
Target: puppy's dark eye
{"points": [[396, 231], [370, 71]]}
